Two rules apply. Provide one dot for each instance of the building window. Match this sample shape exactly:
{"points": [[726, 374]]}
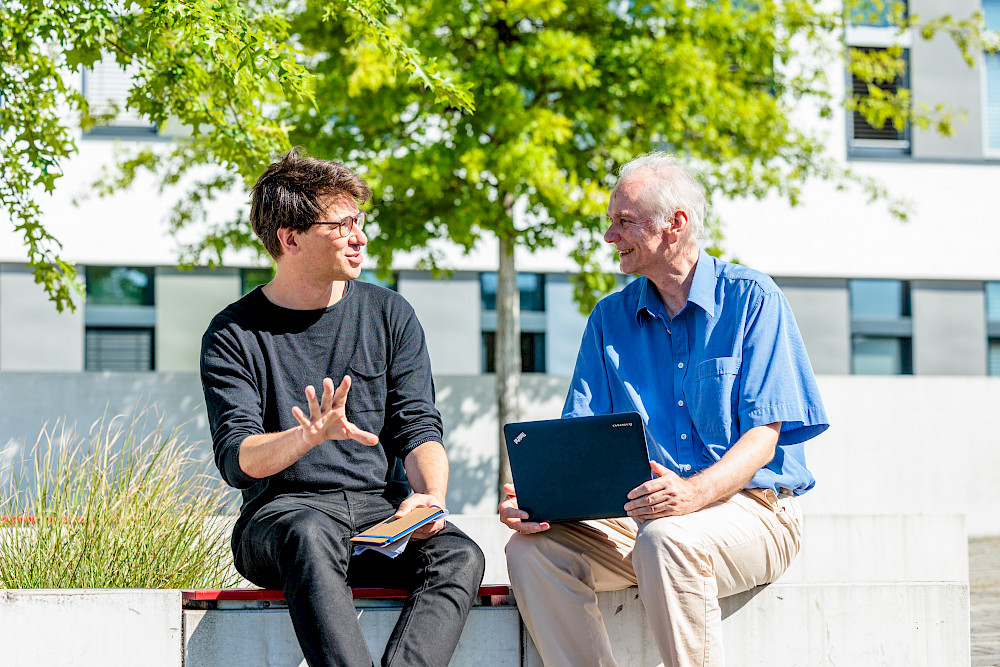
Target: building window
{"points": [[881, 328], [119, 349], [991, 10], [106, 87], [993, 327], [532, 352], [119, 286], [877, 13], [120, 318], [865, 139], [531, 287]]}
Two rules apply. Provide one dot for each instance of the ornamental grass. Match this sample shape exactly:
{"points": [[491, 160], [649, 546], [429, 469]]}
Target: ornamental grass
{"points": [[128, 505]]}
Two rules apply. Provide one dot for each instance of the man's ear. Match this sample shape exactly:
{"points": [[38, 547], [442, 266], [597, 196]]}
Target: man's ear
{"points": [[288, 240], [678, 225]]}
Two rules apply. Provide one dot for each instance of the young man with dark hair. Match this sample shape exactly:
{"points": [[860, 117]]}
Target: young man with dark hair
{"points": [[312, 478]]}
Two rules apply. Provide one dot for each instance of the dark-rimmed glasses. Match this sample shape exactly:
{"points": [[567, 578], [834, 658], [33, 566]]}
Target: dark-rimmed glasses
{"points": [[346, 226]]}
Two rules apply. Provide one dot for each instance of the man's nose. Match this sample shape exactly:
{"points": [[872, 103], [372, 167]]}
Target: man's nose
{"points": [[611, 235]]}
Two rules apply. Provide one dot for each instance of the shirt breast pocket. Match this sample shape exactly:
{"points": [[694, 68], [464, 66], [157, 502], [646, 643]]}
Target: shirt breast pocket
{"points": [[368, 387], [712, 396]]}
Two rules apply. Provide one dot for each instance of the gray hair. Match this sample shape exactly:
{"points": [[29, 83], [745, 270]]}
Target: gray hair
{"points": [[673, 187]]}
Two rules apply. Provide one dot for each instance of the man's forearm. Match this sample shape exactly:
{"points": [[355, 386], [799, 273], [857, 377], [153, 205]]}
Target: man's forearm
{"points": [[268, 454], [730, 474], [427, 469]]}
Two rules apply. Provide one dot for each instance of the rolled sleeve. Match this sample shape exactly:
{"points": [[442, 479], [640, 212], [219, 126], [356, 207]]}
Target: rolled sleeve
{"points": [[411, 417], [233, 404], [776, 380]]}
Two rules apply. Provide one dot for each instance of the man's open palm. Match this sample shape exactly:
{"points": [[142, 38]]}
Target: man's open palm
{"points": [[327, 418]]}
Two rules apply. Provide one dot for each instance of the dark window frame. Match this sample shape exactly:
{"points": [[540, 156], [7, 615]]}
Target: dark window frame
{"points": [[532, 352], [886, 326], [100, 363], [885, 142]]}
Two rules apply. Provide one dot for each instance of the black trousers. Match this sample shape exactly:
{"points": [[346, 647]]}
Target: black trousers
{"points": [[301, 545]]}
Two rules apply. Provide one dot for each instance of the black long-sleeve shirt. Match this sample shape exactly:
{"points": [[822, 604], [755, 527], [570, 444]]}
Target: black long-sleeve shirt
{"points": [[257, 359]]}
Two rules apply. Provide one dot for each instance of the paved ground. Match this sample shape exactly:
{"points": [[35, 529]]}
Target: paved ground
{"points": [[984, 580]]}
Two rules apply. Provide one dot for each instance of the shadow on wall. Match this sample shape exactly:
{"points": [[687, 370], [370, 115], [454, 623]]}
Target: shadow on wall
{"points": [[467, 405], [46, 410], [469, 412]]}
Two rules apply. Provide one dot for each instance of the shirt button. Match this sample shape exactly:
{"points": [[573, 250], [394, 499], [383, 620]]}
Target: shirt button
{"points": [[680, 403], [680, 364], [684, 436]]}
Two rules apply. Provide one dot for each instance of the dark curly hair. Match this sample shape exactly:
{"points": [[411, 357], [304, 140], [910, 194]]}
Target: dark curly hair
{"points": [[290, 192]]}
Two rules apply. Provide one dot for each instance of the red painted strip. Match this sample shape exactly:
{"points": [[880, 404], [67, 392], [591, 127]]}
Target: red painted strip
{"points": [[271, 594], [21, 520]]}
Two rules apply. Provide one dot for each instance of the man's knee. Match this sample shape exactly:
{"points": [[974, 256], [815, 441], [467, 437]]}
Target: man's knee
{"points": [[309, 534], [521, 551], [456, 556], [668, 539]]}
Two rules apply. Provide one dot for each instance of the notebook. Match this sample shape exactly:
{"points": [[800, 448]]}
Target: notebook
{"points": [[577, 468], [393, 529]]}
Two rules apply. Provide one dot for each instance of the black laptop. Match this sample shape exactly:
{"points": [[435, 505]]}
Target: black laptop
{"points": [[577, 468]]}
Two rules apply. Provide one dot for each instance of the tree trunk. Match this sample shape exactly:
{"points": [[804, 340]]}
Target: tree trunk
{"points": [[507, 350]]}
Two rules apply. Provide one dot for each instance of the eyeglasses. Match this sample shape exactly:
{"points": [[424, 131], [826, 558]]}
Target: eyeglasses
{"points": [[346, 226]]}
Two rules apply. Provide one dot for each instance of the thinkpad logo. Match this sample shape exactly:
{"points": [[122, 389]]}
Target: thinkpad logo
{"points": [[519, 438], [620, 425]]}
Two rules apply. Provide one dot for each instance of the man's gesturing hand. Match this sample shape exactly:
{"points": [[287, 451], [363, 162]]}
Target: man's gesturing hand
{"points": [[327, 420], [667, 495], [513, 517]]}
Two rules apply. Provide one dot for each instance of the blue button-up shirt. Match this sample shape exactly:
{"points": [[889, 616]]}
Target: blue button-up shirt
{"points": [[730, 360]]}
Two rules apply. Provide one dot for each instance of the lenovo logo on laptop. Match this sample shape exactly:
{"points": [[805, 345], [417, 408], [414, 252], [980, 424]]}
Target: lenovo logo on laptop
{"points": [[622, 424], [519, 438]]}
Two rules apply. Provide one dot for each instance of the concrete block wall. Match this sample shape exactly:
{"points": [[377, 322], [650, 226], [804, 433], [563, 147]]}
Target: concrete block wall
{"points": [[186, 301], [900, 623], [835, 548], [34, 336], [805, 625], [897, 445], [85, 627]]}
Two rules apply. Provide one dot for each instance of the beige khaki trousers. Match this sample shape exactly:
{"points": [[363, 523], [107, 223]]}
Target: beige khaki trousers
{"points": [[682, 565]]}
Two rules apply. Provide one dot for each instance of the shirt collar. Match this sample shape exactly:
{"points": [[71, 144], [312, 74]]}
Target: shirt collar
{"points": [[702, 292]]}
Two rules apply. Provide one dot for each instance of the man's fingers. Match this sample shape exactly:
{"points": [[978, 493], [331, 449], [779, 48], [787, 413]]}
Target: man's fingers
{"points": [[300, 417], [355, 433], [643, 489], [658, 469], [529, 527], [428, 530], [328, 390], [508, 488], [340, 397], [314, 412]]}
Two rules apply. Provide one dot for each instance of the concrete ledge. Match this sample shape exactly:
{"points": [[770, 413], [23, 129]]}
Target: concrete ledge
{"points": [[251, 637], [91, 627], [913, 624], [921, 547]]}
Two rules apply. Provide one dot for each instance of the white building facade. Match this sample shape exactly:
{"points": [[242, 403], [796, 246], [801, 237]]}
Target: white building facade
{"points": [[872, 295]]}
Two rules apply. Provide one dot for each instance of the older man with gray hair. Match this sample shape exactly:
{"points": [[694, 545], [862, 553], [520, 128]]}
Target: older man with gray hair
{"points": [[709, 354]]}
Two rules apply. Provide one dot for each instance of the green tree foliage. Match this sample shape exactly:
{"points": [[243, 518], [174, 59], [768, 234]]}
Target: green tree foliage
{"points": [[564, 92], [567, 91], [224, 69]]}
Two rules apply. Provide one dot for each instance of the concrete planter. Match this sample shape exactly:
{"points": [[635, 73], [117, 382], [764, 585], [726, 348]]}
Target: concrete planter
{"points": [[87, 627]]}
